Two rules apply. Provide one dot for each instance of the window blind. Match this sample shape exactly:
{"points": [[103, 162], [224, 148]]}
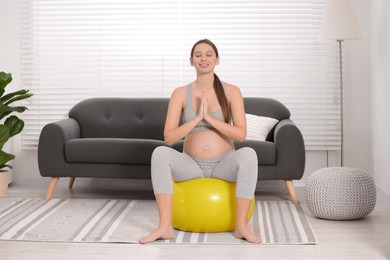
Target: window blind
{"points": [[73, 50]]}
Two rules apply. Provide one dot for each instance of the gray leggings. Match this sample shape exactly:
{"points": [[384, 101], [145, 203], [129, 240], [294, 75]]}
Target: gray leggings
{"points": [[235, 166]]}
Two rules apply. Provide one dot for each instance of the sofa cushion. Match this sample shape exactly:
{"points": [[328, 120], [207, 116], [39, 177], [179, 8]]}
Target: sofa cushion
{"points": [[266, 151], [139, 151], [110, 150]]}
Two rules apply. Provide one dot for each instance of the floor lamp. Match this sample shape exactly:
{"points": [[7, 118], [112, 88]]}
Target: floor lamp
{"points": [[340, 23]]}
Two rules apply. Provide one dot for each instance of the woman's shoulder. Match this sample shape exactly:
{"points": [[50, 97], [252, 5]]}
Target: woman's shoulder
{"points": [[178, 95], [180, 91], [231, 89]]}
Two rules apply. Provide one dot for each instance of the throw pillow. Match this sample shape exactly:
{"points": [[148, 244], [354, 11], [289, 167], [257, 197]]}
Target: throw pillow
{"points": [[258, 127]]}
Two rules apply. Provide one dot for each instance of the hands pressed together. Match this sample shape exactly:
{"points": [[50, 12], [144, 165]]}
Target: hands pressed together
{"points": [[204, 110]]}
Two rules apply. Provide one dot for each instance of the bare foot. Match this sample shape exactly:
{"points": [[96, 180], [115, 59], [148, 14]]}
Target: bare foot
{"points": [[158, 233], [245, 233]]}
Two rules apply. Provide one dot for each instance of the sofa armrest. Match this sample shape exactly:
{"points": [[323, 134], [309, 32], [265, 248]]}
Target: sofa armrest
{"points": [[290, 150], [51, 147]]}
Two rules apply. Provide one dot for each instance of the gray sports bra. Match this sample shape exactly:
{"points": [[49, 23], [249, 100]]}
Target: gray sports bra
{"points": [[189, 113]]}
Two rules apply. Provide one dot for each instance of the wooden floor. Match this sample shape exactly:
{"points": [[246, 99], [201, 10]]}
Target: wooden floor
{"points": [[368, 238]]}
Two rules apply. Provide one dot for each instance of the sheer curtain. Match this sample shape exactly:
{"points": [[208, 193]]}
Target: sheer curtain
{"points": [[73, 50]]}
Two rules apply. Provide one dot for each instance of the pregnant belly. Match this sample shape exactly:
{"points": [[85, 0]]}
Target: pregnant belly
{"points": [[206, 144]]}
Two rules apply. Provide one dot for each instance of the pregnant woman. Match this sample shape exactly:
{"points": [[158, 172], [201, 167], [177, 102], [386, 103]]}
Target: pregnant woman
{"points": [[213, 118]]}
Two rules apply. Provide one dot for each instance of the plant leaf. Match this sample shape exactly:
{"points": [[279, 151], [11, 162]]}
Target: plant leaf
{"points": [[5, 79], [6, 110], [4, 158], [13, 94], [4, 135], [10, 95], [17, 98], [14, 124]]}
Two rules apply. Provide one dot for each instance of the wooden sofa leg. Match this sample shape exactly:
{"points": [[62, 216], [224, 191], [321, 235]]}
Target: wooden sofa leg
{"points": [[71, 182], [52, 187], [291, 191]]}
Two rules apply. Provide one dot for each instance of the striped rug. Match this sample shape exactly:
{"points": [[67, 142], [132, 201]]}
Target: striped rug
{"points": [[125, 221]]}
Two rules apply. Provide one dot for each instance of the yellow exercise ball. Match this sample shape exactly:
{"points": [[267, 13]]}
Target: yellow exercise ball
{"points": [[205, 205]]}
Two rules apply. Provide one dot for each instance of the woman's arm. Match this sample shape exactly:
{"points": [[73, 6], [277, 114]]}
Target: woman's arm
{"points": [[237, 131], [172, 131]]}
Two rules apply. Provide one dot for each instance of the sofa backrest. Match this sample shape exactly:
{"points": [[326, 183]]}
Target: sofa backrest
{"points": [[144, 118], [266, 107]]}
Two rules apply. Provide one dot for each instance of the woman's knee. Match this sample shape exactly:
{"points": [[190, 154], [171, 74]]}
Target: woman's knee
{"points": [[248, 154], [161, 153]]}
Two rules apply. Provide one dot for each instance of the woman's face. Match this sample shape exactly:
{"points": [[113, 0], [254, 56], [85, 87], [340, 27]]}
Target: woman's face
{"points": [[204, 58]]}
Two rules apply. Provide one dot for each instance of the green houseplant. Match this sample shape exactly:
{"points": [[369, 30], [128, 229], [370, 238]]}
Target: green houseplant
{"points": [[10, 125]]}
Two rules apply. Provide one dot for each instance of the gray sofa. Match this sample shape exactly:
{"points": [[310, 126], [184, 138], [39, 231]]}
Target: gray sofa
{"points": [[115, 138]]}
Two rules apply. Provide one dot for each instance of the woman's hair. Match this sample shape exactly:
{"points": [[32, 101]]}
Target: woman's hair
{"points": [[218, 88]]}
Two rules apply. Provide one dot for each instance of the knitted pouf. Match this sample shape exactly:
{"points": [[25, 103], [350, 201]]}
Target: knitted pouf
{"points": [[340, 193]]}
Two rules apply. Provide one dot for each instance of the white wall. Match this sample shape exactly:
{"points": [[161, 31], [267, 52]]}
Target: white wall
{"points": [[380, 93], [357, 95], [10, 48]]}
